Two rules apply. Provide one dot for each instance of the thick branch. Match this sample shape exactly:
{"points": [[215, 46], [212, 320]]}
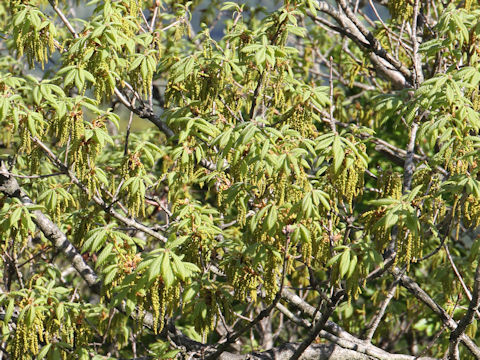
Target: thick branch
{"points": [[421, 295], [98, 200], [375, 45], [334, 333], [318, 326], [10, 187], [384, 63], [313, 352]]}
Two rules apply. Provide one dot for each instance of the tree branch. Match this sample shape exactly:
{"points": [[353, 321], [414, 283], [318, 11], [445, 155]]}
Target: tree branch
{"points": [[99, 201], [418, 78], [332, 304], [332, 105], [334, 333], [467, 319], [263, 314], [10, 187], [384, 63], [375, 45], [143, 111], [458, 275], [372, 327], [409, 166], [421, 295], [63, 18]]}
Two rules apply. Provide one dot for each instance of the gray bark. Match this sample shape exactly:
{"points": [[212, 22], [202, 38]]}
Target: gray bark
{"points": [[9, 186]]}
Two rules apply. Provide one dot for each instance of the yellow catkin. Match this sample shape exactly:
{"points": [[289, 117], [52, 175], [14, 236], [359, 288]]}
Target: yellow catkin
{"points": [[155, 299], [400, 9]]}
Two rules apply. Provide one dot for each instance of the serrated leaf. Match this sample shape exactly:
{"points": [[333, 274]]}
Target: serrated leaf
{"points": [[338, 154], [155, 267], [44, 351], [333, 260], [167, 273], [110, 275], [107, 250], [181, 272]]}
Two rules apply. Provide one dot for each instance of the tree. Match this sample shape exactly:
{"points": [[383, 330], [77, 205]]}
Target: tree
{"points": [[304, 183]]}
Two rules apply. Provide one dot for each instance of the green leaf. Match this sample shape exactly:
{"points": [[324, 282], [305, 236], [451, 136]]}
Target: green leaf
{"points": [[352, 266], [229, 5], [181, 272], [305, 234], [383, 202], [167, 273], [20, 17], [9, 311], [44, 351], [170, 354], [15, 216], [334, 259], [344, 263], [107, 250], [272, 216], [30, 315], [35, 19], [155, 267], [338, 154], [110, 275], [60, 310]]}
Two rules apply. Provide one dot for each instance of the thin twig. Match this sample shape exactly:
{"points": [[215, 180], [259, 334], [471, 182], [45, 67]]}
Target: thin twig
{"points": [[172, 24], [431, 343], [63, 18], [30, 176], [264, 313], [467, 319], [154, 17], [13, 262], [459, 276], [332, 105], [409, 166], [422, 296], [48, 247], [149, 27], [129, 126], [372, 327]]}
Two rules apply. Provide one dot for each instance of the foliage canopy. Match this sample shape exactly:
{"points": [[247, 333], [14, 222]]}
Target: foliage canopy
{"points": [[306, 184]]}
